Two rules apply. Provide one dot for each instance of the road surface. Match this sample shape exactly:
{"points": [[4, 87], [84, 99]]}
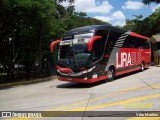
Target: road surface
{"points": [[138, 91]]}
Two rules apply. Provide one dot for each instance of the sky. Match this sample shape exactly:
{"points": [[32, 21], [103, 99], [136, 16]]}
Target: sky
{"points": [[114, 11]]}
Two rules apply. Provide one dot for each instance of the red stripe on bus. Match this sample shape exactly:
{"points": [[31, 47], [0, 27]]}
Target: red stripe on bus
{"points": [[64, 70], [127, 71], [137, 35]]}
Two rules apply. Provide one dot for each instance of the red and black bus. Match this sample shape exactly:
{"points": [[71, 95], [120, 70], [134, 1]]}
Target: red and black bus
{"points": [[100, 52]]}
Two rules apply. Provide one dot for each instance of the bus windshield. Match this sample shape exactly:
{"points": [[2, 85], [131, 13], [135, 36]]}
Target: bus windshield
{"points": [[74, 56]]}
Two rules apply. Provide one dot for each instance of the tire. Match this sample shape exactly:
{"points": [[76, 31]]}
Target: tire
{"points": [[142, 67], [111, 74]]}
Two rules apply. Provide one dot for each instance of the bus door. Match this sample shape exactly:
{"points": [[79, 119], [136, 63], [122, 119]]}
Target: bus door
{"points": [[98, 52], [147, 47]]}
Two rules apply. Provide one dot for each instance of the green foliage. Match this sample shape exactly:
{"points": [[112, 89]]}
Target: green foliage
{"points": [[27, 27], [147, 2], [148, 26]]}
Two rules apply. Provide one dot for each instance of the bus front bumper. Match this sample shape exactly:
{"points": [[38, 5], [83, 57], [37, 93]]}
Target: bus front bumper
{"points": [[80, 80]]}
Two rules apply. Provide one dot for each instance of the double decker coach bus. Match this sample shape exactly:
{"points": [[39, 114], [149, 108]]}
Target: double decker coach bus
{"points": [[100, 52]]}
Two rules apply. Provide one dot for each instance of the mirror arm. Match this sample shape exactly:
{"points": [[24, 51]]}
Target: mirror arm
{"points": [[53, 44], [91, 41]]}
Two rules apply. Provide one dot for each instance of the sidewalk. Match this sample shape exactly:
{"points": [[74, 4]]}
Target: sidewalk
{"points": [[26, 82]]}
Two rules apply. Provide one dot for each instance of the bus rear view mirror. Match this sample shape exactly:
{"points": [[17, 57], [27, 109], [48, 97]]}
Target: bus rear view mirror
{"points": [[53, 44], [91, 41]]}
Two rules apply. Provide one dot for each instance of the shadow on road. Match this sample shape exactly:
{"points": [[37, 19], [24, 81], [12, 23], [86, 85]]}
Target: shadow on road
{"points": [[128, 74], [79, 85]]}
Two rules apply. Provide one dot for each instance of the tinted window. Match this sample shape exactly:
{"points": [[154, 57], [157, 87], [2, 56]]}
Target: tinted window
{"points": [[135, 42], [146, 45], [130, 42], [113, 37], [97, 49], [99, 45], [65, 51], [139, 43], [79, 48], [158, 46]]}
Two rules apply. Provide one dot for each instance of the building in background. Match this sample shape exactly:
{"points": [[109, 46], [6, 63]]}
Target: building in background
{"points": [[155, 39]]}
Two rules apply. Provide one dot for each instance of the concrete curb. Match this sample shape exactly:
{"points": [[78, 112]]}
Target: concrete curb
{"points": [[10, 85], [157, 65]]}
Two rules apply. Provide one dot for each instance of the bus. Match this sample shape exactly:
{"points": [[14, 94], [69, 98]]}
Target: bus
{"points": [[100, 52]]}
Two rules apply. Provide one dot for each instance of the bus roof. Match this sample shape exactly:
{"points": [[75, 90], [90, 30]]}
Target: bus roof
{"points": [[93, 28], [138, 35]]}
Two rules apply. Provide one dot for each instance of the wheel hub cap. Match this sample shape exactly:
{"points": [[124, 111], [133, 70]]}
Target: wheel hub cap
{"points": [[109, 74]]}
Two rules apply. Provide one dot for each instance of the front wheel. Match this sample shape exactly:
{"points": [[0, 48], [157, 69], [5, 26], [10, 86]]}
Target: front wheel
{"points": [[111, 74]]}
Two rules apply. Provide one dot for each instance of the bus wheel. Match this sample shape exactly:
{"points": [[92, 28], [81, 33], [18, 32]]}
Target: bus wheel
{"points": [[142, 67], [111, 74]]}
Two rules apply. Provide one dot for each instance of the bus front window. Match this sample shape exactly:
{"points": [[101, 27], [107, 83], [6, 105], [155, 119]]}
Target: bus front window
{"points": [[74, 56], [64, 55], [65, 52], [81, 55]]}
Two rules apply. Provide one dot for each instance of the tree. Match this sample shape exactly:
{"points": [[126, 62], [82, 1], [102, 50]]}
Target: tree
{"points": [[134, 23], [147, 2], [148, 26], [28, 27]]}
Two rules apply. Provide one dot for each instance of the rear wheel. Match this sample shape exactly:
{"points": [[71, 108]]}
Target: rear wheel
{"points": [[111, 74], [142, 67]]}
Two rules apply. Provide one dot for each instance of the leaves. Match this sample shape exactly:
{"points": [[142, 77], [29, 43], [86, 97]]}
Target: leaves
{"points": [[27, 27], [147, 2], [148, 26]]}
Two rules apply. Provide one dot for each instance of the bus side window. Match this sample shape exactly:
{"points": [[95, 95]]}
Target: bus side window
{"points": [[130, 42], [126, 43], [98, 45], [142, 43], [146, 45], [113, 37], [139, 43], [97, 49], [135, 42]]}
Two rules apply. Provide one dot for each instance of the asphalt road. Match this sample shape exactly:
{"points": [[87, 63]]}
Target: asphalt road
{"points": [[138, 91]]}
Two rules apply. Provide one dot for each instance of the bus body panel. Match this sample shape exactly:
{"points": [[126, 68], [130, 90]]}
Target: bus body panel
{"points": [[130, 59], [108, 47], [91, 80]]}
